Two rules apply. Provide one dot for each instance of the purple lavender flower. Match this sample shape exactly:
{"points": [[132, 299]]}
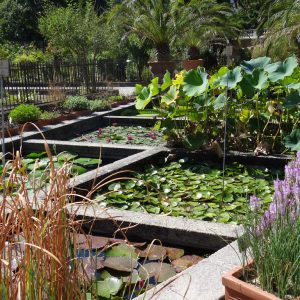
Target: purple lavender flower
{"points": [[254, 202]]}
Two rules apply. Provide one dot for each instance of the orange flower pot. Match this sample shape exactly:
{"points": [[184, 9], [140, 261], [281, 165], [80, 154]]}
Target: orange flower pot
{"points": [[237, 289]]}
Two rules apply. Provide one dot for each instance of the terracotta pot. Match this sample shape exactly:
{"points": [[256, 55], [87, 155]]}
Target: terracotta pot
{"points": [[44, 122], [159, 68], [10, 131], [28, 127], [237, 289], [115, 104], [192, 64], [80, 113]]}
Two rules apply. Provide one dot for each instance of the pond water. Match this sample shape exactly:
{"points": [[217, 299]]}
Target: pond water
{"points": [[187, 188], [132, 135]]}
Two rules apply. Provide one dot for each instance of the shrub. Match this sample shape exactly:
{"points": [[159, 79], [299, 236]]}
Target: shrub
{"points": [[25, 113], [48, 115], [98, 105], [76, 103], [272, 237], [115, 98]]}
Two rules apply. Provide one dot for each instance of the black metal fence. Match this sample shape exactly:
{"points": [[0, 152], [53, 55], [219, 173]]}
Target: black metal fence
{"points": [[40, 83]]}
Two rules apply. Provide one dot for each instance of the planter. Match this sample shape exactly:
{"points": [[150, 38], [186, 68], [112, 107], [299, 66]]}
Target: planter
{"points": [[11, 131], [28, 127], [45, 122], [236, 289], [192, 64], [159, 68], [114, 104]]}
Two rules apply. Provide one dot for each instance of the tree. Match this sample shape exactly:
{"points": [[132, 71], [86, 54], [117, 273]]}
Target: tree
{"points": [[19, 19], [76, 31], [151, 20], [281, 20], [199, 22]]}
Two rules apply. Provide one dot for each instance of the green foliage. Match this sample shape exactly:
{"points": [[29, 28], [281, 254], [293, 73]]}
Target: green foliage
{"points": [[25, 113], [189, 189], [98, 105], [48, 115], [261, 96], [76, 31], [76, 103], [292, 141]]}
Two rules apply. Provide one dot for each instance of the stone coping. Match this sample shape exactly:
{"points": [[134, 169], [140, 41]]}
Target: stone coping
{"points": [[200, 282]]}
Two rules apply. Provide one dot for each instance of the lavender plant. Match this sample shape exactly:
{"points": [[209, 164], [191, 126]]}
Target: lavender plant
{"points": [[272, 237]]}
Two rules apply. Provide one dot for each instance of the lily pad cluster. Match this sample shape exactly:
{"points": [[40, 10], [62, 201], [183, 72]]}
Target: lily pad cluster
{"points": [[190, 189], [119, 269], [134, 135], [36, 167]]}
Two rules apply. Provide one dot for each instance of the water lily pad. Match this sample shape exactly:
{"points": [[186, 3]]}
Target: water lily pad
{"points": [[120, 263], [161, 271], [65, 156], [89, 265], [153, 252], [108, 287], [185, 262], [90, 242], [85, 161], [174, 253], [122, 250]]}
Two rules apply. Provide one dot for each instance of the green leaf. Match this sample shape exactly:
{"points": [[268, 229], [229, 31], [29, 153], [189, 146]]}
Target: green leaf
{"points": [[65, 156], [154, 87], [167, 81], [194, 141], [120, 263], [215, 79], [122, 250], [143, 98], [220, 101], [256, 63], [36, 155], [292, 100], [292, 141], [138, 89], [109, 287], [161, 271], [78, 170], [85, 161], [114, 187], [195, 82], [280, 70], [232, 78], [170, 96]]}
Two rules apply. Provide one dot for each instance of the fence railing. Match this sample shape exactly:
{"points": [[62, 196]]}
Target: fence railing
{"points": [[49, 82]]}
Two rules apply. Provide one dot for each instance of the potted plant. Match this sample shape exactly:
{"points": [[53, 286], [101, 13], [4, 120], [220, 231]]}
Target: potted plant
{"points": [[199, 23], [25, 113], [271, 242]]}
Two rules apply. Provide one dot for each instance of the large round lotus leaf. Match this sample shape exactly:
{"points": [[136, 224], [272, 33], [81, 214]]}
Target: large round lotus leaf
{"points": [[153, 252], [120, 263], [90, 241], [161, 271], [109, 287], [122, 250], [185, 262], [174, 253]]}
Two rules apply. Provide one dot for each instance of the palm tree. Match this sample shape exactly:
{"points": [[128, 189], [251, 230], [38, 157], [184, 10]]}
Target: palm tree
{"points": [[282, 22], [201, 21], [151, 20]]}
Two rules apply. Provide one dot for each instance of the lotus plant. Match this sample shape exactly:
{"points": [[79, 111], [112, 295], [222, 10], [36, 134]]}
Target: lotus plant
{"points": [[272, 237]]}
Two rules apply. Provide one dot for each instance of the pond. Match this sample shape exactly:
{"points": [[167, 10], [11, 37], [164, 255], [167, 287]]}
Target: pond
{"points": [[116, 134], [120, 269], [187, 188], [36, 168]]}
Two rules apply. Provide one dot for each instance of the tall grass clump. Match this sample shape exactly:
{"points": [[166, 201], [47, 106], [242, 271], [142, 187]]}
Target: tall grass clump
{"points": [[37, 234], [272, 237]]}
